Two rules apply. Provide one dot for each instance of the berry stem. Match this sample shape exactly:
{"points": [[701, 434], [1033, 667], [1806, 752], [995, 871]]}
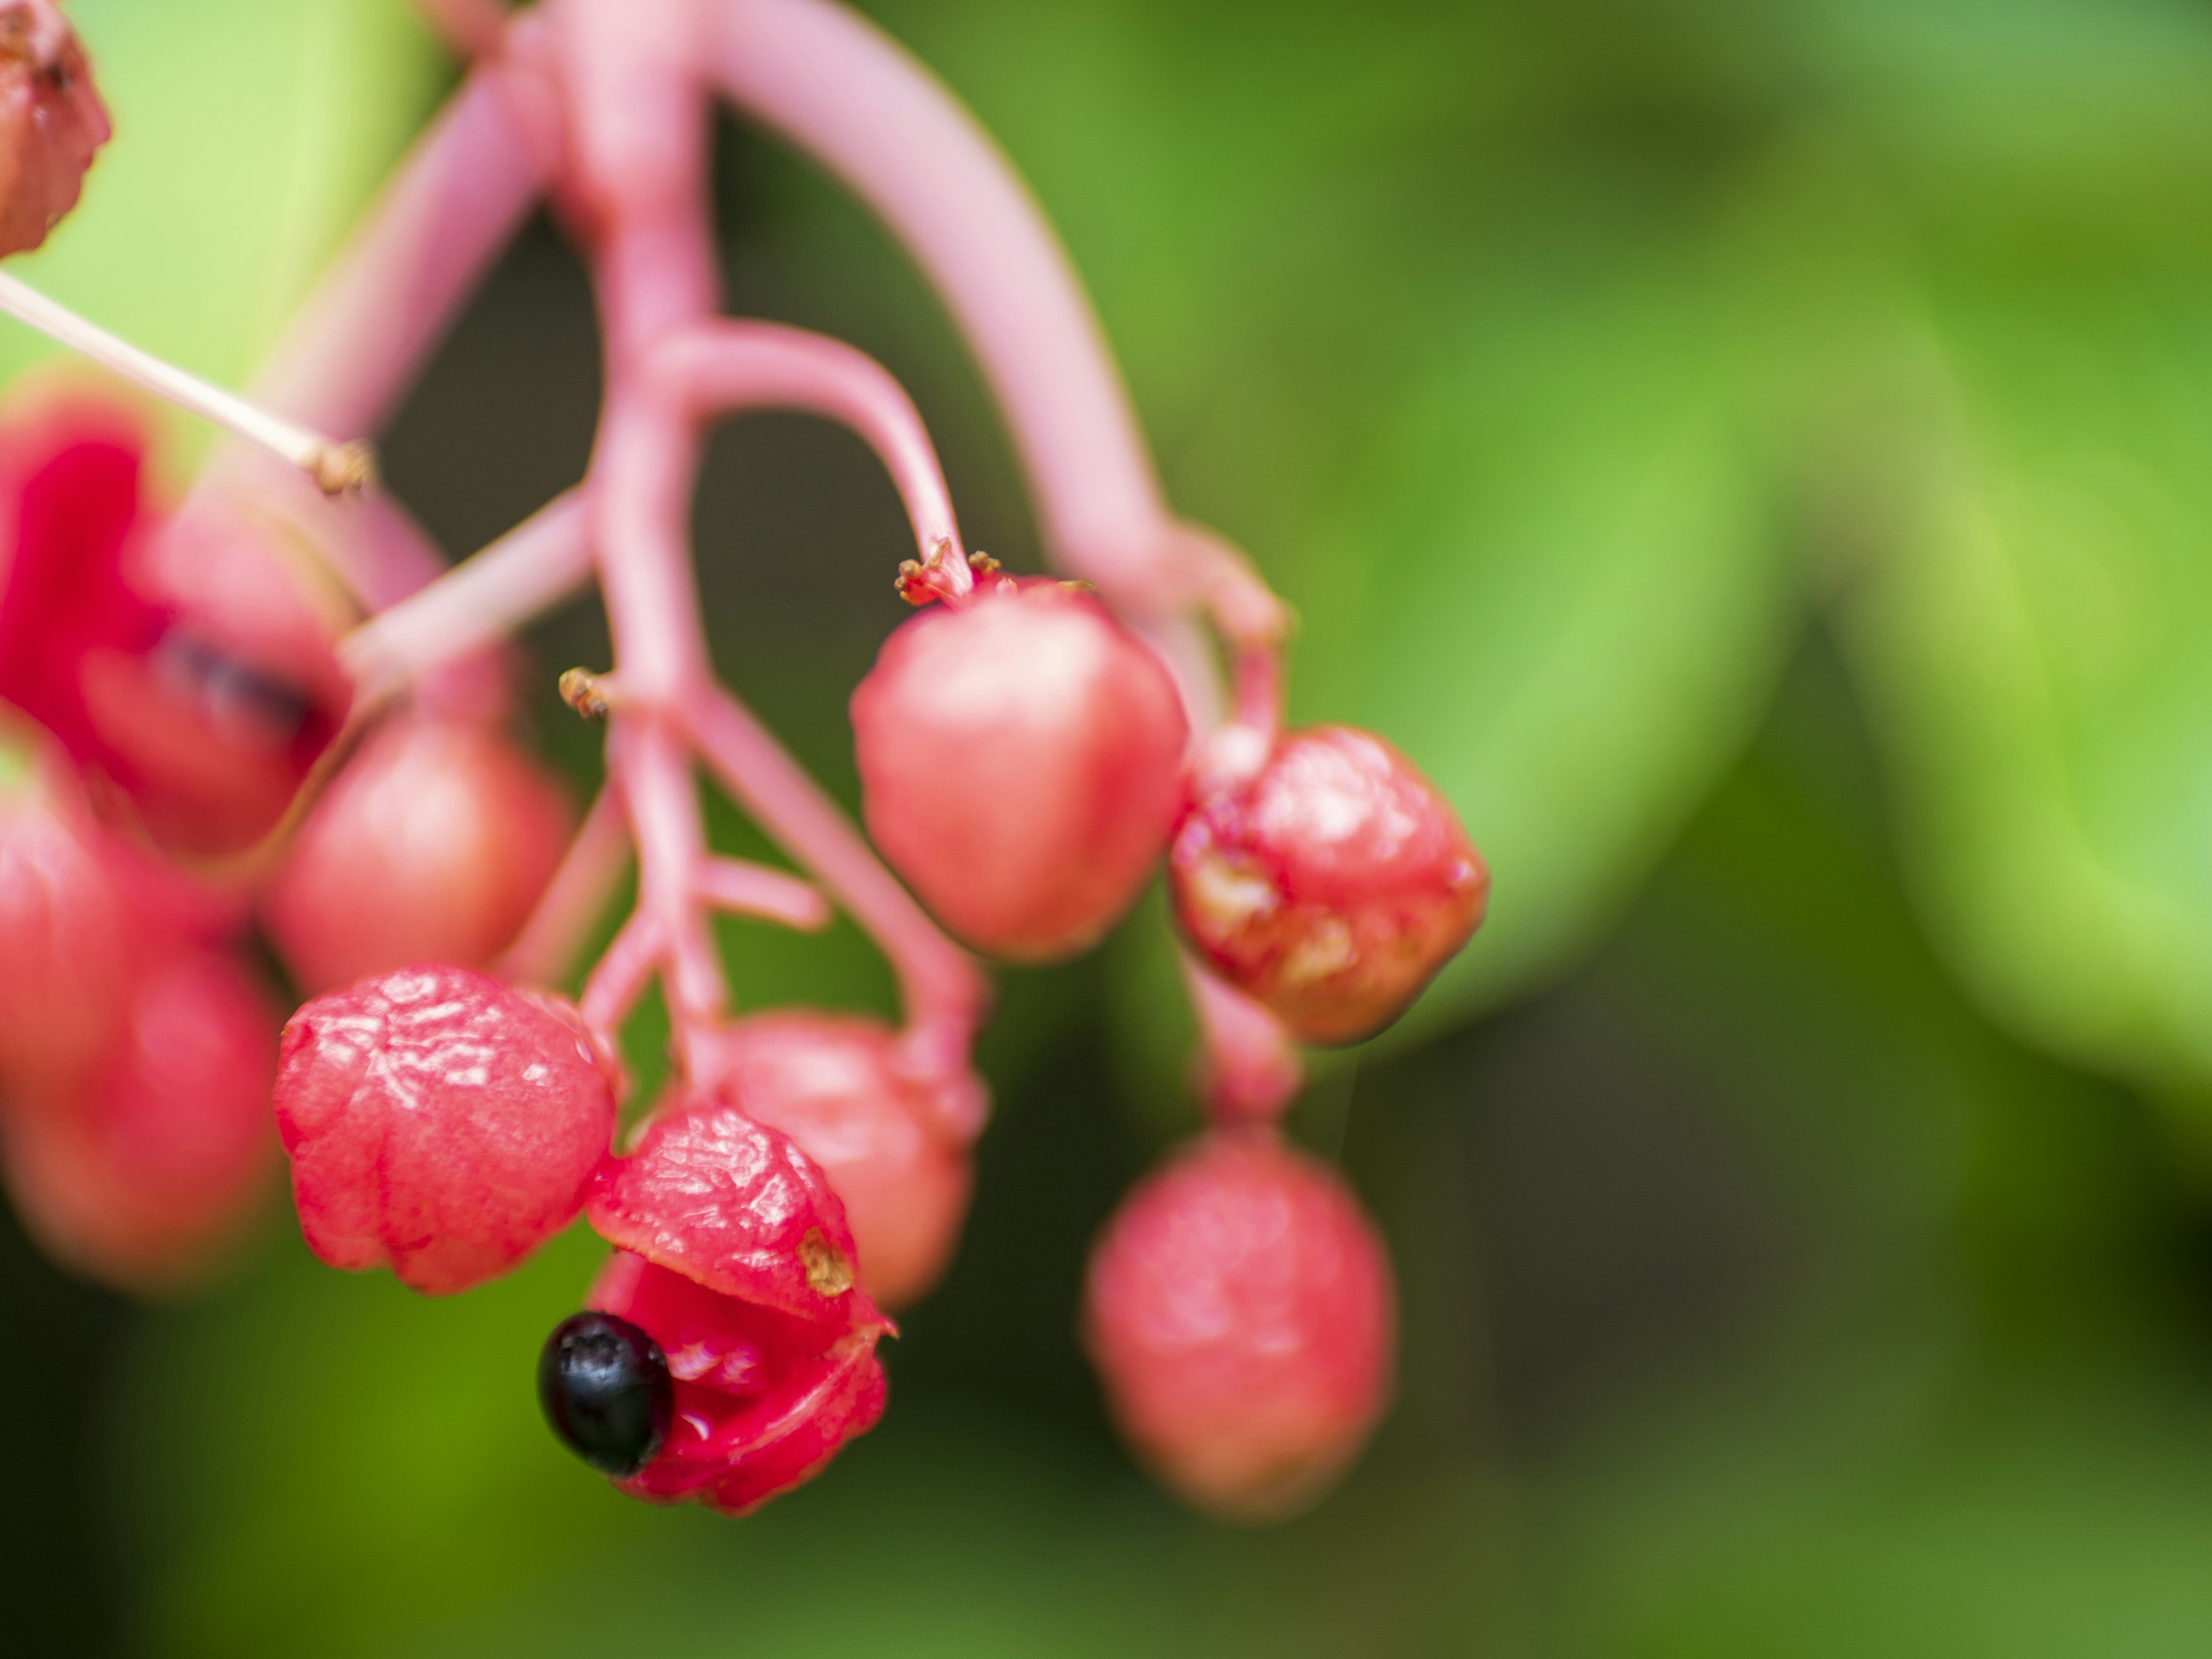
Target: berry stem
{"points": [[472, 28], [1248, 1068], [744, 888], [574, 899]]}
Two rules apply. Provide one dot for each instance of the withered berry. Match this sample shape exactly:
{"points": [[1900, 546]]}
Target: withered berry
{"points": [[1330, 884], [606, 1391]]}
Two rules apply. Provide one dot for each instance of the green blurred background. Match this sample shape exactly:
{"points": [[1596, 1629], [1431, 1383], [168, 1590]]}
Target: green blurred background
{"points": [[1758, 457]]}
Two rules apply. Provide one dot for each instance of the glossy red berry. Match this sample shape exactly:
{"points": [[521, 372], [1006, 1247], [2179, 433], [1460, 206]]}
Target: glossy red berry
{"points": [[51, 121], [889, 1145], [1241, 1314], [1331, 883], [733, 1254], [1020, 764], [439, 1122], [143, 1173], [432, 845]]}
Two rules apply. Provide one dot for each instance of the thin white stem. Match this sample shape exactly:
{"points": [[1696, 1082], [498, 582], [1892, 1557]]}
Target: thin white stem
{"points": [[335, 468]]}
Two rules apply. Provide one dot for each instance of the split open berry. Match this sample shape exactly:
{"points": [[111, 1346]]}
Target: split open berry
{"points": [[1241, 1314], [188, 669], [1020, 762], [892, 1146], [144, 1173], [733, 1254], [51, 121], [606, 1390], [1331, 882], [439, 1122], [432, 845]]}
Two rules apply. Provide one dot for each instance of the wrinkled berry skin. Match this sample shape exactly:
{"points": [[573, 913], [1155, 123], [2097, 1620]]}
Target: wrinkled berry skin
{"points": [[1331, 884], [606, 1389], [1020, 764], [142, 1176], [734, 1255], [51, 121], [888, 1146], [439, 1122], [432, 845], [1240, 1313]]}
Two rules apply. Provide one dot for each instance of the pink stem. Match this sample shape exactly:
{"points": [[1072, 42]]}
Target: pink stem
{"points": [[655, 771], [1250, 1069], [472, 28], [476, 604], [573, 900], [747, 889], [621, 976], [942, 990], [722, 367]]}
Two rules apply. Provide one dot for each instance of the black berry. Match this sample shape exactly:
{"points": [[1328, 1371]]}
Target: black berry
{"points": [[606, 1391]]}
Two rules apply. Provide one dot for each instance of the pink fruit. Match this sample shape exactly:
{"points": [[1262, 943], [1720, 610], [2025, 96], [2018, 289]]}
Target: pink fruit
{"points": [[1241, 1315], [1020, 760], [439, 1122], [832, 1084], [51, 121], [141, 1175], [734, 1256], [434, 844], [1331, 884], [192, 673], [66, 936]]}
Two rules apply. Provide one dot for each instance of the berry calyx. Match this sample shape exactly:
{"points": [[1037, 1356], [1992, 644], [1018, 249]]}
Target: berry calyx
{"points": [[432, 845], [1240, 1309], [606, 1391], [1330, 881], [734, 1255], [51, 121], [439, 1122], [886, 1141], [1020, 760]]}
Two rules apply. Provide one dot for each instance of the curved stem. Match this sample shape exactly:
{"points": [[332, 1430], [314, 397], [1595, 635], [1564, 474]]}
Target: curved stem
{"points": [[573, 902], [719, 368]]}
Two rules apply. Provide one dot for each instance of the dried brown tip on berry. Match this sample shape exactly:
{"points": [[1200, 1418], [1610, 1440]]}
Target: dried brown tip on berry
{"points": [[590, 695], [342, 469], [827, 1272]]}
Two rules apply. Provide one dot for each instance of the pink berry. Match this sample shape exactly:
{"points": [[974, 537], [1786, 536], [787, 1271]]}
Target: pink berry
{"points": [[834, 1084], [142, 1174], [51, 121], [64, 978], [439, 1122], [1020, 765], [1331, 883], [192, 673], [1241, 1314], [733, 1254], [434, 844]]}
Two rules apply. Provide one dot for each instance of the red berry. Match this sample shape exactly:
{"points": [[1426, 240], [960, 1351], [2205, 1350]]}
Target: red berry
{"points": [[51, 121], [434, 844], [1020, 762], [1241, 1314], [67, 928], [439, 1122], [832, 1084], [734, 1256], [1330, 884], [191, 671], [142, 1173]]}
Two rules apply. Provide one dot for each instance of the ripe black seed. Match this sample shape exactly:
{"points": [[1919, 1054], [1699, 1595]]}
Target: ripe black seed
{"points": [[606, 1391]]}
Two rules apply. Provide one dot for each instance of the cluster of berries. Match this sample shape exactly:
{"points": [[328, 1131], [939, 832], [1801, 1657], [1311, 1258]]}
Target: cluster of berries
{"points": [[1030, 750]]}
